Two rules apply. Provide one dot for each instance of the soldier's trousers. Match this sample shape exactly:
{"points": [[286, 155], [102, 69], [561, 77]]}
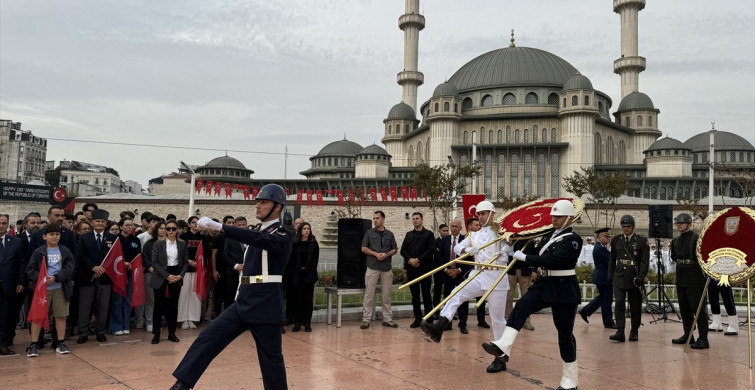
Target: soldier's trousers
{"points": [[635, 308]]}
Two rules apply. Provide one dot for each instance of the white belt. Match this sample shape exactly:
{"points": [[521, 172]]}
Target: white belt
{"points": [[246, 280], [558, 272]]}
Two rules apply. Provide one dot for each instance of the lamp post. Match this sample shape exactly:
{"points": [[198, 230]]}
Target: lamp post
{"points": [[456, 206], [711, 168], [191, 189]]}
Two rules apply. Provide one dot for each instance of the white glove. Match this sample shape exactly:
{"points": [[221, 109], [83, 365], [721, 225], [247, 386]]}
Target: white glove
{"points": [[208, 223], [519, 255], [472, 250]]}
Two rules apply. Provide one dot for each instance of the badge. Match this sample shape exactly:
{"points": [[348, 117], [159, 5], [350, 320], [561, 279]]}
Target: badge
{"points": [[575, 245], [732, 224], [725, 262]]}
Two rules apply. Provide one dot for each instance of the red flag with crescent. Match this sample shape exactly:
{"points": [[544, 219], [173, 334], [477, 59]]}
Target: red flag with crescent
{"points": [[246, 192], [413, 193], [200, 286], [318, 194], [255, 191], [469, 203], [38, 311], [352, 197], [394, 194], [208, 188], [298, 196], [339, 194], [228, 190], [309, 197], [217, 188], [373, 194], [114, 267], [383, 194], [198, 186], [138, 296]]}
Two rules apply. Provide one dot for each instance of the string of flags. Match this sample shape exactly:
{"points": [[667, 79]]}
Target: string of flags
{"points": [[379, 194]]}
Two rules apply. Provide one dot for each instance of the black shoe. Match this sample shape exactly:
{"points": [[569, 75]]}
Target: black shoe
{"points": [[483, 325], [448, 327], [610, 326], [416, 324], [307, 328], [633, 336], [180, 386], [498, 365], [101, 338], [492, 349], [296, 328], [82, 339], [584, 316], [156, 339], [618, 336], [463, 329], [435, 331], [700, 344], [172, 337], [683, 340]]}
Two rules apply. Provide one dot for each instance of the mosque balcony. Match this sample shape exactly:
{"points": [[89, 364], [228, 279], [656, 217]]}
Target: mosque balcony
{"points": [[619, 4], [634, 62], [410, 77], [411, 20]]}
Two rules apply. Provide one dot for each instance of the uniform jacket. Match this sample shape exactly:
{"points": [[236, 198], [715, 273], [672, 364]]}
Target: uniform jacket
{"points": [[65, 276], [444, 256], [478, 239], [160, 262], [89, 256], [293, 268], [418, 244], [636, 250], [684, 247], [601, 256], [262, 303], [561, 253], [10, 265]]}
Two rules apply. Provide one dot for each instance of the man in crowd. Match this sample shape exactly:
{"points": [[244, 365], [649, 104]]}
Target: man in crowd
{"points": [[219, 271], [233, 254], [418, 250], [604, 299], [438, 261], [453, 275], [11, 260], [379, 245]]}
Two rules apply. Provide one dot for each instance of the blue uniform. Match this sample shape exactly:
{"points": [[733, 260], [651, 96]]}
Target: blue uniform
{"points": [[258, 308], [600, 256]]}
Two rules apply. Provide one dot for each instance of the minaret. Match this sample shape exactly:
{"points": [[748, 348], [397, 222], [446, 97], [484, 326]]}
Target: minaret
{"points": [[411, 23], [630, 64]]}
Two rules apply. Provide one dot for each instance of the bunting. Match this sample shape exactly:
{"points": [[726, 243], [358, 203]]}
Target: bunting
{"points": [[309, 197]]}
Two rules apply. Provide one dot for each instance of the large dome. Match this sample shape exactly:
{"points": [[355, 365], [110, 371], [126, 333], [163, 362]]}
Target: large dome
{"points": [[723, 141], [636, 101], [513, 66], [343, 147], [401, 111], [224, 162]]}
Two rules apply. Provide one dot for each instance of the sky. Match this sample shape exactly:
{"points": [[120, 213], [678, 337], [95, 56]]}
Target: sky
{"points": [[252, 78]]}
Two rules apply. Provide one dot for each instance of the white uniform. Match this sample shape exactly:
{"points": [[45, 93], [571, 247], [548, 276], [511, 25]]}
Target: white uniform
{"points": [[585, 257], [479, 285]]}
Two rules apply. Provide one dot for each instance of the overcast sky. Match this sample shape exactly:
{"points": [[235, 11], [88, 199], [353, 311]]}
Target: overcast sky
{"points": [[255, 76]]}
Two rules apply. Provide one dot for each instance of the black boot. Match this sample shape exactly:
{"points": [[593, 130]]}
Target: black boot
{"points": [[498, 364], [618, 336], [683, 340], [435, 331], [701, 343], [180, 386]]}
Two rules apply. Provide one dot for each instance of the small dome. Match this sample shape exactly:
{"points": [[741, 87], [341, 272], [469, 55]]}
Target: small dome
{"points": [[401, 111], [723, 140], [343, 147], [373, 149], [666, 144], [636, 101], [577, 81], [446, 89], [224, 162]]}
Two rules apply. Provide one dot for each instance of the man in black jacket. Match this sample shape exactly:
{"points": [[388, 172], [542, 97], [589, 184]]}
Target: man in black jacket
{"points": [[453, 275], [418, 250]]}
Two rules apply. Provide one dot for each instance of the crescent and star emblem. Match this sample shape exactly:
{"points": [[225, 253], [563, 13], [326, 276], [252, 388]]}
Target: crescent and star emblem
{"points": [[518, 225], [115, 265]]}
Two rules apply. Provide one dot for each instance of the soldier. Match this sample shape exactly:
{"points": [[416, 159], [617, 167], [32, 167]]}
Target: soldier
{"points": [[627, 267], [690, 283]]}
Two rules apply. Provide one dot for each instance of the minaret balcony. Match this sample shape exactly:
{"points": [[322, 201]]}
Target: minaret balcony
{"points": [[410, 77], [623, 63], [411, 20]]}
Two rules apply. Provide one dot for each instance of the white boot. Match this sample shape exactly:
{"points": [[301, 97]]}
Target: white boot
{"points": [[569, 377], [716, 326], [733, 326], [507, 340]]}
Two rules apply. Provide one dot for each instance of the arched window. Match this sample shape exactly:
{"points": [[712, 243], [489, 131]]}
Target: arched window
{"points": [[610, 156], [697, 192], [406, 129], [555, 185], [650, 120], [541, 175], [705, 158], [466, 104], [488, 176], [508, 134], [531, 98], [509, 99], [482, 135], [622, 152], [694, 158], [462, 164], [732, 156], [639, 120], [490, 136], [600, 107], [446, 106], [574, 100], [653, 193], [587, 100], [741, 157], [626, 121], [500, 136], [419, 152], [646, 192], [553, 134], [527, 174], [598, 149], [464, 139], [534, 133], [564, 102], [544, 136], [526, 136], [553, 98], [514, 176], [501, 176], [389, 129], [436, 107], [487, 101], [456, 107], [516, 136], [663, 193], [679, 192]]}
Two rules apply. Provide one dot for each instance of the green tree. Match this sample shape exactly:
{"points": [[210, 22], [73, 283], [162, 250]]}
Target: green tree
{"points": [[442, 185], [53, 177], [601, 188]]}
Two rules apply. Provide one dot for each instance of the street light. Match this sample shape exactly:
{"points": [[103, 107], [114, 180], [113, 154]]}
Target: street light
{"points": [[191, 189], [456, 206]]}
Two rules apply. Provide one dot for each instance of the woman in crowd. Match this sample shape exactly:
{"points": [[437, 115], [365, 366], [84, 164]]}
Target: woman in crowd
{"points": [[169, 262], [113, 228], [82, 227], [157, 233], [120, 306], [305, 255], [189, 305]]}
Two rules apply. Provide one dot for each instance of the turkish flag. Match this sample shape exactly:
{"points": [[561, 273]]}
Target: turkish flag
{"points": [[318, 194], [198, 187], [373, 194], [469, 203], [137, 271], [114, 267], [246, 192], [12, 231], [200, 287], [228, 191], [351, 195], [383, 194], [414, 193], [394, 194], [255, 191], [309, 197], [298, 196], [404, 193], [38, 312], [208, 188], [339, 194], [286, 191], [217, 188]]}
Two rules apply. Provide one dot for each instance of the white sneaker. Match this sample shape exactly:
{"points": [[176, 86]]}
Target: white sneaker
{"points": [[185, 325], [126, 332], [149, 328], [191, 325], [118, 333], [62, 349]]}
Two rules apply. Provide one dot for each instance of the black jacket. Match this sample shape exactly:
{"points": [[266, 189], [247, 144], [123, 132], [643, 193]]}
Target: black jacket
{"points": [[561, 254], [89, 256], [294, 267], [419, 244]]}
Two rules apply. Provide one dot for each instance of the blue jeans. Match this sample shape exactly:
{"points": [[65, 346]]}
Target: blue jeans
{"points": [[120, 307]]}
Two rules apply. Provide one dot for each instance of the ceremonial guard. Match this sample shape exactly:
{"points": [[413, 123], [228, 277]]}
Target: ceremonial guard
{"points": [[480, 284], [690, 283], [627, 268], [259, 304], [556, 288], [601, 255]]}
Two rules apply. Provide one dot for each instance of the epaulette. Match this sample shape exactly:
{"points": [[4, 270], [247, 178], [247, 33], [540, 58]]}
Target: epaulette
{"points": [[281, 230]]}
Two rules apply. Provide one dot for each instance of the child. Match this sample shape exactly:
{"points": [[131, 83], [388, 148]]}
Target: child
{"points": [[60, 264]]}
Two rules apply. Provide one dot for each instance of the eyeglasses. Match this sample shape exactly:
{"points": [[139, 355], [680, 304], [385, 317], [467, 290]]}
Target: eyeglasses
{"points": [[171, 229]]}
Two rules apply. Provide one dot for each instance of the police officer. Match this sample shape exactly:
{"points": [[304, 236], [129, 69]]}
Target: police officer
{"points": [[600, 256], [259, 304], [627, 267], [557, 288], [690, 282]]}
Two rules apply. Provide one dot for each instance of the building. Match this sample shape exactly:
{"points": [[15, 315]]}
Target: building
{"points": [[82, 179], [22, 154]]}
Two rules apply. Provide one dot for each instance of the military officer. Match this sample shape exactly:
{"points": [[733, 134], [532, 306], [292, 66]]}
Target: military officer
{"points": [[557, 288], [259, 304], [627, 267], [690, 282]]}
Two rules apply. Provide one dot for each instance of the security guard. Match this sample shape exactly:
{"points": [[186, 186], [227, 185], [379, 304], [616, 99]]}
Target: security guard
{"points": [[557, 288], [259, 304], [690, 282], [627, 267]]}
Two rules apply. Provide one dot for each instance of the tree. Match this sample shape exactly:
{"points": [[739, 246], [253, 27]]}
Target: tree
{"points": [[442, 185], [53, 177], [601, 188]]}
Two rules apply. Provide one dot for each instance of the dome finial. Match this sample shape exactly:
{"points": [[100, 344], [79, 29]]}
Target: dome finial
{"points": [[512, 44], [713, 125]]}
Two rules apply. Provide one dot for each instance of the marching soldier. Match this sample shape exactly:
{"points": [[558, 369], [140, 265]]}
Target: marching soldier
{"points": [[627, 267], [690, 282], [557, 288]]}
